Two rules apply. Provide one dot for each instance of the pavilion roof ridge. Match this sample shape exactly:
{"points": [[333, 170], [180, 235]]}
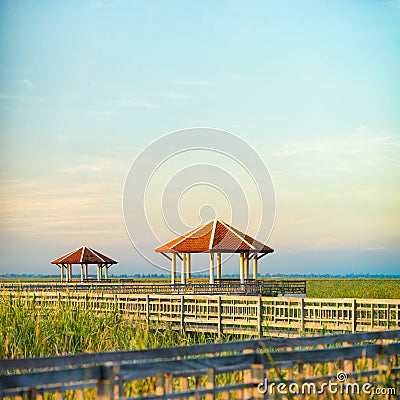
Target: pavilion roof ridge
{"points": [[212, 236], [189, 234], [60, 259], [83, 252], [79, 256]]}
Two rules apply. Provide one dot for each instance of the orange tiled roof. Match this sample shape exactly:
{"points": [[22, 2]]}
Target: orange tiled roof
{"points": [[84, 255], [214, 236]]}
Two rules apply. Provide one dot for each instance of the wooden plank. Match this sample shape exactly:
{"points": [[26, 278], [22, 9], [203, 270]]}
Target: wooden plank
{"points": [[238, 362], [49, 377], [328, 355]]}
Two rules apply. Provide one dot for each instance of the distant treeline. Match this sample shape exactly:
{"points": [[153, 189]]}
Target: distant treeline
{"points": [[165, 276]]}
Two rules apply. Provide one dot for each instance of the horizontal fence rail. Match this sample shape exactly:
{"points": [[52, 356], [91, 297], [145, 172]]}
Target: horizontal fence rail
{"points": [[251, 369], [228, 287], [252, 316]]}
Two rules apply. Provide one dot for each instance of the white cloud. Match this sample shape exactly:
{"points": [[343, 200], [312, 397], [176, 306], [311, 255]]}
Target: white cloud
{"points": [[351, 144], [375, 248], [32, 207], [100, 4], [28, 83], [7, 97], [88, 163], [176, 96], [134, 104], [190, 82], [59, 137], [103, 115]]}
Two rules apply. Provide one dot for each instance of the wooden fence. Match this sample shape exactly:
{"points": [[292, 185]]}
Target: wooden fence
{"points": [[223, 286], [345, 366], [252, 316]]}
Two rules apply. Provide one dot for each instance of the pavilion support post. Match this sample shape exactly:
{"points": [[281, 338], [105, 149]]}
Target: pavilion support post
{"points": [[62, 272], [255, 259], [188, 265], [219, 266], [86, 271], [241, 268], [183, 269], [106, 271], [82, 274], [211, 268], [246, 265], [173, 268], [69, 266], [98, 272]]}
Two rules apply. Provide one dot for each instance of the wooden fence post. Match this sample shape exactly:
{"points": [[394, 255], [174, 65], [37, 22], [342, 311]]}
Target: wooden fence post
{"points": [[302, 315], [257, 372], [80, 395], [354, 316], [210, 384], [182, 313], [248, 377], [147, 309], [168, 383], [59, 395], [300, 377], [183, 383], [219, 306], [259, 317], [348, 365], [31, 394], [383, 366], [160, 389], [105, 385], [372, 316]]}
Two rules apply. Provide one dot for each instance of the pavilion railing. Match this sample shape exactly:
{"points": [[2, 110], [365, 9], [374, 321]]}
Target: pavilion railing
{"points": [[229, 287]]}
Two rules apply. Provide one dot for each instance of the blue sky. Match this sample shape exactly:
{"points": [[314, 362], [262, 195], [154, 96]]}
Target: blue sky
{"points": [[313, 86]]}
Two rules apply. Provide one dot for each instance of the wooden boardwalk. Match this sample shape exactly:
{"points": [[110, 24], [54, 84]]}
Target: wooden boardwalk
{"points": [[252, 316], [252, 369]]}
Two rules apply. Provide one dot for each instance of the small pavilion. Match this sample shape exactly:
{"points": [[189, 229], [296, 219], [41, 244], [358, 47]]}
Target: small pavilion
{"points": [[215, 237], [84, 256]]}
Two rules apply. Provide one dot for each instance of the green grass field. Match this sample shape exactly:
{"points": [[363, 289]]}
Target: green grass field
{"points": [[358, 288]]}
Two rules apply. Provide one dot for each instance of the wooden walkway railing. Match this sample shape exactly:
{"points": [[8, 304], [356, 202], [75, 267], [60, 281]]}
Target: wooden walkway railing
{"points": [[325, 367], [227, 287], [252, 316]]}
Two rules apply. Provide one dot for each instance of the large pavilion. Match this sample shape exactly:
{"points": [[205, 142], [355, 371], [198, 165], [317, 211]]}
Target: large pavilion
{"points": [[215, 237], [84, 256]]}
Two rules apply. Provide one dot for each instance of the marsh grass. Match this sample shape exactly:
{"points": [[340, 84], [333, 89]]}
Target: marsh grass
{"points": [[29, 328]]}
